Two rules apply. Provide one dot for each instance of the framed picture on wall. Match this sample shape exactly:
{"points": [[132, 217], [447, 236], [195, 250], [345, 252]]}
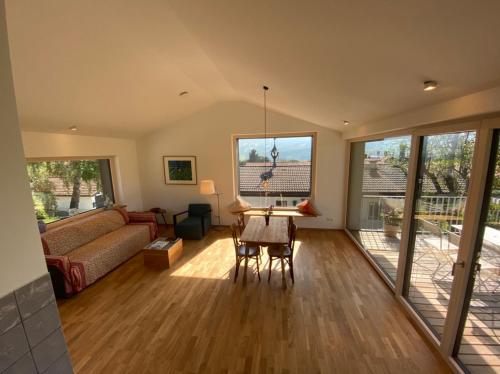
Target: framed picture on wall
{"points": [[180, 169]]}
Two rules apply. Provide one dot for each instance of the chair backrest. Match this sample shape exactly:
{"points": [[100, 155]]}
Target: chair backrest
{"points": [[199, 209], [234, 232], [293, 233], [241, 223]]}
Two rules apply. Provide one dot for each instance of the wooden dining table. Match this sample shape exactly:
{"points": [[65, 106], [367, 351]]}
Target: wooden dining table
{"points": [[256, 233]]}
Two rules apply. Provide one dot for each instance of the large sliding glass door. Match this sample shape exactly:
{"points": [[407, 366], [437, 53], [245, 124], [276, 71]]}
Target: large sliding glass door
{"points": [[442, 184], [377, 187], [443, 256], [478, 345]]}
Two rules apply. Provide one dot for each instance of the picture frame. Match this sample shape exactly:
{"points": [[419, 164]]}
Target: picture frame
{"points": [[180, 170]]}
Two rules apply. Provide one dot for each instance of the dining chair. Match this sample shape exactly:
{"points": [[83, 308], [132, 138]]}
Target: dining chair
{"points": [[284, 252], [243, 252], [241, 223]]}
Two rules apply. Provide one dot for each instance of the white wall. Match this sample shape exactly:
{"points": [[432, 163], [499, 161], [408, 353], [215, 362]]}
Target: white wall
{"points": [[482, 102], [126, 178], [207, 135], [21, 254]]}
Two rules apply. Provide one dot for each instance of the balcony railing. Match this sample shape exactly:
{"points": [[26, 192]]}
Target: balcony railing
{"points": [[446, 209]]}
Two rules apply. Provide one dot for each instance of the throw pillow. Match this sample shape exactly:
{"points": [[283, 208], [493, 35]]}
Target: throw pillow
{"points": [[307, 207]]}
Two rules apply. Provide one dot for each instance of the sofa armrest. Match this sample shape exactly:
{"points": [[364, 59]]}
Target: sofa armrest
{"points": [[138, 217], [147, 218], [60, 269]]}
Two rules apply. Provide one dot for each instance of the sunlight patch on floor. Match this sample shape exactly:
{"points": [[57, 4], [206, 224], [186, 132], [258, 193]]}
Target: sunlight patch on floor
{"points": [[213, 262]]}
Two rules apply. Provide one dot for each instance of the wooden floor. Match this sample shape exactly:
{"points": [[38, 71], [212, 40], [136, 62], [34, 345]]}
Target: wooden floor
{"points": [[430, 289], [339, 317]]}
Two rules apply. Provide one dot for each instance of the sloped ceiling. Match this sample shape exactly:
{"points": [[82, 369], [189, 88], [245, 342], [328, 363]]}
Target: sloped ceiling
{"points": [[116, 67]]}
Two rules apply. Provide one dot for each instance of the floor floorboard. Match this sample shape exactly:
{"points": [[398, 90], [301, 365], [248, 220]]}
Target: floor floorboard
{"points": [[339, 317]]}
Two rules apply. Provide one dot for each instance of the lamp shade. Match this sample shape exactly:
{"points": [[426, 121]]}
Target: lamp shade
{"points": [[207, 187]]}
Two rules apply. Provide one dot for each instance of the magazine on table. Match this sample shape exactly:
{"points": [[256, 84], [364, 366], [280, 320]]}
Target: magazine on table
{"points": [[161, 243]]}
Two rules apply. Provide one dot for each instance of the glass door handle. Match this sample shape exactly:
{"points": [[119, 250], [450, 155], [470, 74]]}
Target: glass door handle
{"points": [[455, 264]]}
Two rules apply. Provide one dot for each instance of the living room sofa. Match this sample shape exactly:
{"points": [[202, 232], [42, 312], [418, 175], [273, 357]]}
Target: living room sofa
{"points": [[80, 252]]}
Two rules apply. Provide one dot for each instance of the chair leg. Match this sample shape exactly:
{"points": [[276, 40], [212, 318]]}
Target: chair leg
{"points": [[283, 278], [237, 270], [258, 270], [290, 264], [270, 266]]}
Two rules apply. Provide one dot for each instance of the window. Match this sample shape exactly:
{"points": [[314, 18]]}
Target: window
{"points": [[275, 171], [377, 189], [62, 188]]}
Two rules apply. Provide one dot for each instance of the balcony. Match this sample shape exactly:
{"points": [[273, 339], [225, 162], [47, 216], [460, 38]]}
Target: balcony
{"points": [[436, 246]]}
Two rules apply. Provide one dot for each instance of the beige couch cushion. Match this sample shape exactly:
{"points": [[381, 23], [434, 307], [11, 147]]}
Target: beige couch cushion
{"points": [[66, 238], [107, 252]]}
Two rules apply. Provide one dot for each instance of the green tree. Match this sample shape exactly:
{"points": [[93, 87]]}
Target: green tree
{"points": [[73, 173], [42, 187], [447, 161], [253, 156]]}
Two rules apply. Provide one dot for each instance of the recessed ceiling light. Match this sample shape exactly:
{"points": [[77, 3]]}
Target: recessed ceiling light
{"points": [[430, 85], [347, 123], [73, 128], [182, 93]]}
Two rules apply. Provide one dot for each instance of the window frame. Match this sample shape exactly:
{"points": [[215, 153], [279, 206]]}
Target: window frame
{"points": [[113, 172], [236, 170]]}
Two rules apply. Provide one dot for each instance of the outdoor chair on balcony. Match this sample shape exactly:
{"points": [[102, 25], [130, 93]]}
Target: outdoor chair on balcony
{"points": [[197, 223]]}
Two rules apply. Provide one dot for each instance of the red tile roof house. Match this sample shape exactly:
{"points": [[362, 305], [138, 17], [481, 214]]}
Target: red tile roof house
{"points": [[289, 185], [385, 185], [63, 195]]}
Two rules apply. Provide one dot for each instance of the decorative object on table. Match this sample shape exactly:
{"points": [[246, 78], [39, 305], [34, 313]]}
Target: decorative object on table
{"points": [[269, 212], [207, 187], [239, 206], [162, 253], [197, 223], [180, 169], [161, 212], [307, 207]]}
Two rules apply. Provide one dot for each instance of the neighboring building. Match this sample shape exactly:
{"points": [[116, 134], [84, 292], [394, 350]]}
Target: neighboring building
{"points": [[384, 186], [289, 185], [63, 194]]}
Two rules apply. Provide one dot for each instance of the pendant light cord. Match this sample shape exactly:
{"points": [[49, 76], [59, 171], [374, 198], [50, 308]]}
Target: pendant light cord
{"points": [[265, 88]]}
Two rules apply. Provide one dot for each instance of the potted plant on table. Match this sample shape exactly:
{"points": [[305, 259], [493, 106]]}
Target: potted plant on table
{"points": [[392, 222]]}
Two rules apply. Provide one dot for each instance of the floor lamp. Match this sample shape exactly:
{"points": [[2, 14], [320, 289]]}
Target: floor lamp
{"points": [[207, 187]]}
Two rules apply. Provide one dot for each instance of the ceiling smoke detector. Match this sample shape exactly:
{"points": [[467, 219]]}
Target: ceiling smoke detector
{"points": [[430, 85], [346, 123], [182, 93], [73, 128]]}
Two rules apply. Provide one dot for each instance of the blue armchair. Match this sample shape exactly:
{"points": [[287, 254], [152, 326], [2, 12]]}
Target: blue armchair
{"points": [[197, 223]]}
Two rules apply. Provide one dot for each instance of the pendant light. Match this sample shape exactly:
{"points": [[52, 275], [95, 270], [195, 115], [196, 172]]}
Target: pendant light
{"points": [[265, 175]]}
